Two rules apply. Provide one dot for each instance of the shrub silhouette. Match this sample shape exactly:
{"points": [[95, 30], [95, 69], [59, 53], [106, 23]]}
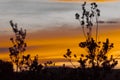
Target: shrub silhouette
{"points": [[96, 62], [19, 45], [35, 66], [97, 51], [22, 62]]}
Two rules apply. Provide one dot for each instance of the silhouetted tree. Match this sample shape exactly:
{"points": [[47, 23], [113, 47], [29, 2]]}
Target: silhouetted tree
{"points": [[19, 45], [22, 62]]}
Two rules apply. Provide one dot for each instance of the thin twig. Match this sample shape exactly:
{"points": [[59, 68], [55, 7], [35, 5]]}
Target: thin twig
{"points": [[96, 28], [72, 63], [83, 30]]}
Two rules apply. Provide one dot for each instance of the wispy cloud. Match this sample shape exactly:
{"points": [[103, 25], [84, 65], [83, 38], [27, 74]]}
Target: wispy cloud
{"points": [[3, 50]]}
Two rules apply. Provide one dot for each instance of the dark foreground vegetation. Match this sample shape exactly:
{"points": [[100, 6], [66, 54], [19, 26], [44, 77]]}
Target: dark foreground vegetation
{"points": [[58, 73]]}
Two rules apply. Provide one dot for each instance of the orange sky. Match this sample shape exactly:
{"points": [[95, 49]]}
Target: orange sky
{"points": [[86, 0], [52, 44]]}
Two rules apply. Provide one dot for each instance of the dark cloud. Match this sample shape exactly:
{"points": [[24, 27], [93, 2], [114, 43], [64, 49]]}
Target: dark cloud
{"points": [[109, 22], [4, 50]]}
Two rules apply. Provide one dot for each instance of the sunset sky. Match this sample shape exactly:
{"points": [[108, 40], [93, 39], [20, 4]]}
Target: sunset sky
{"points": [[52, 28]]}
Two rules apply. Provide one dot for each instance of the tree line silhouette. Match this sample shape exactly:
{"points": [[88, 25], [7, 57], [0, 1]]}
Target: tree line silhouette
{"points": [[94, 65]]}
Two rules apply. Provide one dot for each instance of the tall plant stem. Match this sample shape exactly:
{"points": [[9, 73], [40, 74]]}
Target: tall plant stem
{"points": [[97, 28], [72, 63], [83, 29]]}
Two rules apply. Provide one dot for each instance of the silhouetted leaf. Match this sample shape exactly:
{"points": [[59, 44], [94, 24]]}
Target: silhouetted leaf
{"points": [[65, 56], [75, 55], [82, 55], [82, 22], [82, 44], [77, 16]]}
